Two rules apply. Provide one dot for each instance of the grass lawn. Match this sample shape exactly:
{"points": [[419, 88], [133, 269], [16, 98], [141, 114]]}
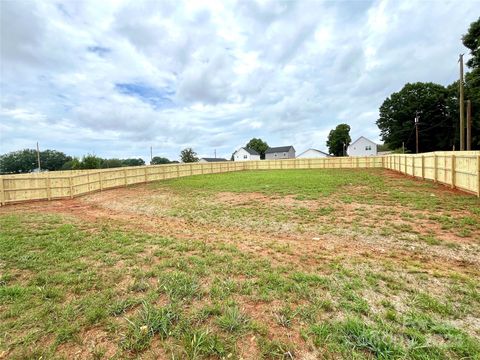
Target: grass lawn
{"points": [[294, 264]]}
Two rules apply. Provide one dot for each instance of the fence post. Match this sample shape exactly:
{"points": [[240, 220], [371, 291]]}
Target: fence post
{"points": [[125, 176], [405, 159], [453, 171], [435, 167], [423, 167], [49, 188], [478, 175], [2, 192], [70, 183], [100, 180]]}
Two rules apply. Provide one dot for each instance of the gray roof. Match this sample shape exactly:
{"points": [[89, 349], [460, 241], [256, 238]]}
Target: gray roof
{"points": [[250, 151], [278, 149], [214, 159]]}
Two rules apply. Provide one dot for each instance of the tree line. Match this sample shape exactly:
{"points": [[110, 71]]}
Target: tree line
{"points": [[437, 107], [24, 161]]}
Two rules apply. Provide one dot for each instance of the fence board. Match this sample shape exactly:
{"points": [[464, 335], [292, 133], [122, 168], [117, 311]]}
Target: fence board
{"points": [[458, 169]]}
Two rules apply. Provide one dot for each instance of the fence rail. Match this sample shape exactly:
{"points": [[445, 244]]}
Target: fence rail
{"points": [[458, 169]]}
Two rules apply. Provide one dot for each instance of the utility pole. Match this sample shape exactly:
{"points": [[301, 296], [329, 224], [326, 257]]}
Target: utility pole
{"points": [[403, 147], [462, 123], [38, 157], [151, 154], [416, 131], [215, 153], [469, 125]]}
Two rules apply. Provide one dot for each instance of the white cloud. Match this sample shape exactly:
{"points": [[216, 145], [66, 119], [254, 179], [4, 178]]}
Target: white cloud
{"points": [[114, 78]]}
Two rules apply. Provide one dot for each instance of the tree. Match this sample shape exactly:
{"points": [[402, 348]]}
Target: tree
{"points": [[26, 161], [74, 164], [338, 140], [133, 162], [53, 160], [188, 155], [471, 40], [258, 145], [111, 163], [91, 162], [21, 161], [158, 160], [436, 109]]}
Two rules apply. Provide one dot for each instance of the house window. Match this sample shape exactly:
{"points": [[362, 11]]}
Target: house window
{"points": [[368, 147], [284, 154], [244, 156], [275, 155]]}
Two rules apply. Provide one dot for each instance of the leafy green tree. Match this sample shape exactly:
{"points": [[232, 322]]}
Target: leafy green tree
{"points": [[21, 161], [338, 140], [91, 162], [111, 163], [188, 155], [74, 164], [435, 107], [471, 40], [258, 145], [158, 160], [133, 162], [26, 161], [53, 160]]}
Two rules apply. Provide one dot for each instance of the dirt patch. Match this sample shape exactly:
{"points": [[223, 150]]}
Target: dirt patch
{"points": [[115, 207]]}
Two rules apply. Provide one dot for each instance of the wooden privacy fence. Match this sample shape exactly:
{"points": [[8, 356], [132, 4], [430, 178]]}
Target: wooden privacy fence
{"points": [[458, 169]]}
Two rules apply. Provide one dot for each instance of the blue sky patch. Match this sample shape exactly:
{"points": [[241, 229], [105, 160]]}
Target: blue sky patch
{"points": [[99, 50], [158, 98]]}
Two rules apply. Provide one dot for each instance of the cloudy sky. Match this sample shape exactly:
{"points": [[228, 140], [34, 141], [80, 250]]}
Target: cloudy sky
{"points": [[114, 78]]}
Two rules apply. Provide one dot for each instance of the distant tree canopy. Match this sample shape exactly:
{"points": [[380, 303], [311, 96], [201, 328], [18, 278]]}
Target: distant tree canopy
{"points": [[438, 108], [188, 155], [133, 162], [157, 160], [436, 111], [471, 40], [258, 145], [24, 161], [338, 140]]}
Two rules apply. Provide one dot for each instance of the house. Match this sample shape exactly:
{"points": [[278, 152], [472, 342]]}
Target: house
{"points": [[281, 152], [211, 159], [245, 154], [312, 153], [362, 147]]}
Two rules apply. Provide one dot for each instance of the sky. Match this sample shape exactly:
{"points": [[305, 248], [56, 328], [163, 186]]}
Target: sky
{"points": [[114, 78]]}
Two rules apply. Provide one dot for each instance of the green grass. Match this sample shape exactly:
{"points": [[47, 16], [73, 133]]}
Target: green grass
{"points": [[248, 278], [304, 184]]}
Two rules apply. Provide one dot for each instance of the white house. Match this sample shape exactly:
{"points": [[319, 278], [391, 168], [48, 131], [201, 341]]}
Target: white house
{"points": [[362, 147], [245, 154], [311, 154]]}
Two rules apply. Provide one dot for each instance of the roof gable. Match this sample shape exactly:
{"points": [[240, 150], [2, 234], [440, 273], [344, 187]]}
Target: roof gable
{"points": [[362, 137], [319, 151], [249, 150], [279, 149]]}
